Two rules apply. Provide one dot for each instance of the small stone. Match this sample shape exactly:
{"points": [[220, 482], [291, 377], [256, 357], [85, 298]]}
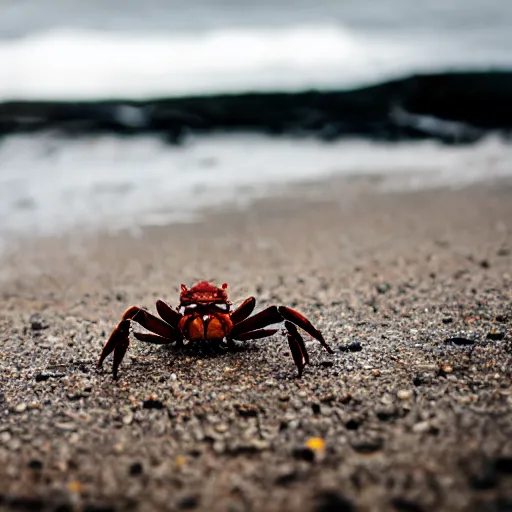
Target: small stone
{"points": [[173, 377], [34, 405], [368, 446], [248, 410], [128, 419], [284, 398], [447, 320], [20, 408], [5, 437], [352, 424], [152, 403], [304, 453], [404, 394], [135, 469], [188, 502], [332, 501], [460, 341], [383, 288], [485, 264], [35, 464], [36, 322], [355, 346], [315, 443], [495, 335], [421, 427], [221, 428]]}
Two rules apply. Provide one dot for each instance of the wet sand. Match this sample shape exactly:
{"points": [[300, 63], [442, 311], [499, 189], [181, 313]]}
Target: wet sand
{"points": [[413, 411]]}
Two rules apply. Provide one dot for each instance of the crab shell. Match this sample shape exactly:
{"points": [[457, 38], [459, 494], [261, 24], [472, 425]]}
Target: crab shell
{"points": [[203, 293]]}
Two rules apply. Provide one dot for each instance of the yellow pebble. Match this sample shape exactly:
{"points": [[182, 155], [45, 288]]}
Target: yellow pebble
{"points": [[75, 487], [315, 443]]}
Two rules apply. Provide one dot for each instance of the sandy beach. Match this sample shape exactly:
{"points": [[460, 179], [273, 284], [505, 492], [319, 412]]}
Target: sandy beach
{"points": [[413, 412]]}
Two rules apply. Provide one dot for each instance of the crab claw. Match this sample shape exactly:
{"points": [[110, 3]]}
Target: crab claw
{"points": [[117, 342]]}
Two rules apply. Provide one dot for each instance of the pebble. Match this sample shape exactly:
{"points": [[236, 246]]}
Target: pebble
{"points": [[421, 427], [404, 394], [221, 428], [20, 408], [128, 419], [330, 501]]}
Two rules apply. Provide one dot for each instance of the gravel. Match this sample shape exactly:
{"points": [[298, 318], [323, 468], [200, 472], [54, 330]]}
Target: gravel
{"points": [[403, 416]]}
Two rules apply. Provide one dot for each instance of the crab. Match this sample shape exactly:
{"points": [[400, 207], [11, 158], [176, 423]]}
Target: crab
{"points": [[204, 315]]}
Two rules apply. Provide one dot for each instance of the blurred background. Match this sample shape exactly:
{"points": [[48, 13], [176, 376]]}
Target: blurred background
{"points": [[116, 114]]}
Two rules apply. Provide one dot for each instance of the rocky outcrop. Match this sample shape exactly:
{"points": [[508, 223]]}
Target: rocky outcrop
{"points": [[452, 107]]}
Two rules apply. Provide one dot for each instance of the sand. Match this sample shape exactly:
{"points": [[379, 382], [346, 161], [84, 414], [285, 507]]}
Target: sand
{"points": [[413, 411]]}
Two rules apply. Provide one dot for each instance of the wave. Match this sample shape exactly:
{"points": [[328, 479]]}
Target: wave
{"points": [[69, 65]]}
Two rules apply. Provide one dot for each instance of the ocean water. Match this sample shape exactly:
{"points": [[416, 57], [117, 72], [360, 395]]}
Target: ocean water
{"points": [[69, 49], [50, 185]]}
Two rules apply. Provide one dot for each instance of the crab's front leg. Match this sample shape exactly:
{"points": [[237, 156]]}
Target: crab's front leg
{"points": [[119, 339]]}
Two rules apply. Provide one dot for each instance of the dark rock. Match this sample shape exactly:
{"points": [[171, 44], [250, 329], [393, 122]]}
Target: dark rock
{"points": [[454, 107], [383, 288], [316, 408], [495, 335], [368, 445], [352, 424], [460, 341], [327, 364], [188, 502], [248, 410], [152, 404], [503, 465], [485, 264], [35, 464], [386, 414], [502, 319], [304, 453], [41, 377], [37, 323], [503, 252], [135, 469], [406, 505], [332, 501], [447, 320], [355, 346]]}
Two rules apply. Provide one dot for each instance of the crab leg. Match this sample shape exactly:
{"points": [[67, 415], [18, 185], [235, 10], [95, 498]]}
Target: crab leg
{"points": [[244, 310], [304, 323], [266, 317], [119, 339], [297, 347], [171, 316], [153, 338], [255, 335], [274, 315]]}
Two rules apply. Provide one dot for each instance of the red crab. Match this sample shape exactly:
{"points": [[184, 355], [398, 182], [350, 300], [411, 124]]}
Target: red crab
{"points": [[206, 317]]}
